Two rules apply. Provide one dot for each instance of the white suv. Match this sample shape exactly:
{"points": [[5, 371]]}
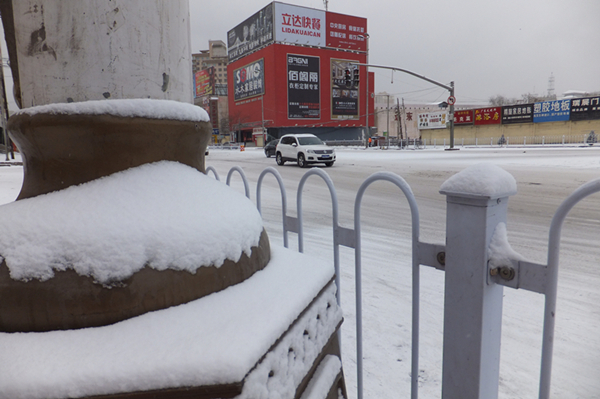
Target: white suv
{"points": [[305, 149]]}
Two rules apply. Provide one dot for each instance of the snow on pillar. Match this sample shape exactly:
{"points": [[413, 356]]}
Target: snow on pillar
{"points": [[477, 200]]}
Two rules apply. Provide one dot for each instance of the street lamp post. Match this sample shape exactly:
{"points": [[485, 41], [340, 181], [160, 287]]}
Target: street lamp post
{"points": [[449, 88]]}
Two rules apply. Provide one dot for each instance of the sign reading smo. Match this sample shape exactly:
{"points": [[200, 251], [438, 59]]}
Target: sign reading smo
{"points": [[249, 80]]}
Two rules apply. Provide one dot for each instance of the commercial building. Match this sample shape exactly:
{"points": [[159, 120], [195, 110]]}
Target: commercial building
{"points": [[209, 68], [215, 57], [293, 69]]}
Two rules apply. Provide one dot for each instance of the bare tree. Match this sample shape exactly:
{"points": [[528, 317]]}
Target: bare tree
{"points": [[499, 100]]}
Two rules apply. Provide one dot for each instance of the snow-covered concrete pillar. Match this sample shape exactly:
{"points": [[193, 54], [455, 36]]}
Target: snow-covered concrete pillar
{"points": [[72, 51], [477, 201]]}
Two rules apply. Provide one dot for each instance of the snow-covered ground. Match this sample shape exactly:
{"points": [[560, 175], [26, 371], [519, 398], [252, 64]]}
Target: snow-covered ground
{"points": [[545, 176]]}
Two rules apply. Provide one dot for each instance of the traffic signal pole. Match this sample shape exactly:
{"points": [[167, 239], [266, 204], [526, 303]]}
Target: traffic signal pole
{"points": [[449, 88]]}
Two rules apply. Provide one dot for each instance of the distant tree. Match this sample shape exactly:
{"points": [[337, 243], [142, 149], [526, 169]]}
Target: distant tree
{"points": [[224, 125], [528, 98], [499, 100]]}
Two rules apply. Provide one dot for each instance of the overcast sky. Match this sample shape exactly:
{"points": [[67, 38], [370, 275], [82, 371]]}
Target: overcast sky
{"points": [[487, 48]]}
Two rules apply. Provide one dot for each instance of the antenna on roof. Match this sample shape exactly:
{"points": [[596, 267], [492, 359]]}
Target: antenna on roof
{"points": [[551, 85], [326, 2]]}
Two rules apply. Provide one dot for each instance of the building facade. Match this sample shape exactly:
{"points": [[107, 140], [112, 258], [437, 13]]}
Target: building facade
{"points": [[294, 69], [209, 69], [215, 57]]}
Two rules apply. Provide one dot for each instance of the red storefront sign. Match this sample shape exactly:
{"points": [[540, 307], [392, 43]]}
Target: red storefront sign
{"points": [[488, 116], [346, 32], [463, 117]]}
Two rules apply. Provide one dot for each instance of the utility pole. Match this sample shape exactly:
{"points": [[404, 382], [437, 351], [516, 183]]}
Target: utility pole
{"points": [[404, 112], [388, 121], [368, 134], [399, 121], [262, 106]]}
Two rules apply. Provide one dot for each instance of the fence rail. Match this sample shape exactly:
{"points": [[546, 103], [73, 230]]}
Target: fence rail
{"points": [[474, 276], [515, 141]]}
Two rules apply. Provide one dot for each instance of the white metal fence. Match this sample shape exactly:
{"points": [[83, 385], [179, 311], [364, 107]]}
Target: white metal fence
{"points": [[506, 141], [474, 281]]}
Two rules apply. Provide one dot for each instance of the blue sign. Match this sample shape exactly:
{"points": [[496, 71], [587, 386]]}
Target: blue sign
{"points": [[216, 131], [552, 111]]}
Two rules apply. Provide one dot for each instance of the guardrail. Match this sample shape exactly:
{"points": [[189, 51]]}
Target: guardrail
{"points": [[475, 271]]}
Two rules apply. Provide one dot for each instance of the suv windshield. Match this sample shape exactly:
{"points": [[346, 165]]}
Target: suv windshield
{"points": [[309, 141]]}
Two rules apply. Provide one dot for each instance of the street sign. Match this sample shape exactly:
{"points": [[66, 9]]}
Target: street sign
{"points": [[451, 100]]}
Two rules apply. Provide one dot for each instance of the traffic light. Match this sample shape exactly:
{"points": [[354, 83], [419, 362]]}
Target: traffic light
{"points": [[356, 76], [348, 78]]}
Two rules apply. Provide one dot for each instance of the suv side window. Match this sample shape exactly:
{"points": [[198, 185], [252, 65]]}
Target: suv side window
{"points": [[287, 140]]}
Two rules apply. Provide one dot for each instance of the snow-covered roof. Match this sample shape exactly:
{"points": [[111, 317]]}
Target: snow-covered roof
{"points": [[213, 340], [161, 215], [142, 108]]}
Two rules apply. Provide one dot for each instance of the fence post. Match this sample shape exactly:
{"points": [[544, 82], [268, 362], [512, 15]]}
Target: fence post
{"points": [[476, 200]]}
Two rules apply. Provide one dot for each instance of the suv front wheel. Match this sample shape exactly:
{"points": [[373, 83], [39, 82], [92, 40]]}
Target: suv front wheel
{"points": [[279, 159], [302, 161]]}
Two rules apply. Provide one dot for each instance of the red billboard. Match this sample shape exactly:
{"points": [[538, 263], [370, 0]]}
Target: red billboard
{"points": [[346, 32], [488, 116], [463, 117]]}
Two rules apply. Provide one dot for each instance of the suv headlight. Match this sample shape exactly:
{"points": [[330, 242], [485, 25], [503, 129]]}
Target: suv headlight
{"points": [[310, 151]]}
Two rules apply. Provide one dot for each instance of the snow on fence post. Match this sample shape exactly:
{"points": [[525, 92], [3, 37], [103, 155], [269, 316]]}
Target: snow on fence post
{"points": [[477, 200]]}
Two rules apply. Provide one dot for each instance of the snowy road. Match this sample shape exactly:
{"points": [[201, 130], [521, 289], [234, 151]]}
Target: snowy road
{"points": [[545, 177]]}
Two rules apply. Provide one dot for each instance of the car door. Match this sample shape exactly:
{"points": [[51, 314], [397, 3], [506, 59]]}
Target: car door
{"points": [[286, 147], [293, 148]]}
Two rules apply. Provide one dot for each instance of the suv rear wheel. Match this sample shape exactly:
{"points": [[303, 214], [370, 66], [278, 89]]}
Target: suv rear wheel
{"points": [[279, 159], [302, 161]]}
